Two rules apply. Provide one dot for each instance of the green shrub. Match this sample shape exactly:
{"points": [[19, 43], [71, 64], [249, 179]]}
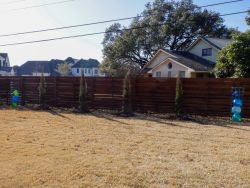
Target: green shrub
{"points": [[83, 95], [42, 91], [127, 98], [178, 97]]}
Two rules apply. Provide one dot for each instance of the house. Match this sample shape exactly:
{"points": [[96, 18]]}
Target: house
{"points": [[89, 67], [5, 69], [196, 62], [49, 68], [37, 68]]}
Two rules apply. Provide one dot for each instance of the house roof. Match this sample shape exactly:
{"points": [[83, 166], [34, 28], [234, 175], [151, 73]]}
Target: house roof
{"points": [[6, 69], [90, 63], [192, 61], [30, 67], [71, 60], [217, 43], [4, 55], [186, 59]]}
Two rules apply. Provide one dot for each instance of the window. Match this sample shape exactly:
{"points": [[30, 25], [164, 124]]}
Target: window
{"points": [[207, 52], [158, 74], [169, 74], [182, 74], [85, 71], [96, 71], [88, 71], [77, 70], [170, 66]]}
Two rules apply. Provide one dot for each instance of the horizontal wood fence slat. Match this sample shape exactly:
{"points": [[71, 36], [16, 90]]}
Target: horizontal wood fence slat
{"points": [[201, 96]]}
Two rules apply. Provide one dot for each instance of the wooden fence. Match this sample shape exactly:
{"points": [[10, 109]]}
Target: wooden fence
{"points": [[201, 96]]}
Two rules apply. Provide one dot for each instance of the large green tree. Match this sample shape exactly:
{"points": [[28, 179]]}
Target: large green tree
{"points": [[163, 24], [248, 18], [234, 59]]}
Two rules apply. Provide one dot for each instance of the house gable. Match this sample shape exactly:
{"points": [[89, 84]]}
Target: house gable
{"points": [[198, 46], [158, 58]]}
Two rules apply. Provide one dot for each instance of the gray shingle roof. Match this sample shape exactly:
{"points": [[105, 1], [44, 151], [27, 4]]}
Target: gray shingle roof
{"points": [[6, 69], [217, 42], [30, 67], [4, 55], [192, 61], [90, 63]]}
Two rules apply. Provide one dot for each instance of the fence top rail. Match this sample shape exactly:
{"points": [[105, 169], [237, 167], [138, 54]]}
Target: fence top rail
{"points": [[138, 78]]}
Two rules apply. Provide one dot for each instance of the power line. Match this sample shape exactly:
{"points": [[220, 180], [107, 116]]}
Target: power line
{"points": [[42, 5], [96, 23], [67, 27], [222, 3], [12, 2], [98, 33]]}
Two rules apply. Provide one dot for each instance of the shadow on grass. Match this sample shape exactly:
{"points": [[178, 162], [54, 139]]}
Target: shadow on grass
{"points": [[164, 119], [107, 116], [159, 120], [220, 122], [56, 113]]}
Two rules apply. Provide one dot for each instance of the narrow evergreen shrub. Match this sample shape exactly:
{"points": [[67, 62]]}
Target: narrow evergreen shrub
{"points": [[42, 91], [178, 97], [83, 103], [127, 98]]}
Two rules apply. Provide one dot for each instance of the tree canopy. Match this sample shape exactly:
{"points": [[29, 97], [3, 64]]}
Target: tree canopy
{"points": [[248, 18], [234, 59], [64, 69], [163, 24]]}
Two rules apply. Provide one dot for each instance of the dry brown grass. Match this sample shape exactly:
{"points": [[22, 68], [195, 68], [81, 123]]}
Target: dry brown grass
{"points": [[42, 149]]}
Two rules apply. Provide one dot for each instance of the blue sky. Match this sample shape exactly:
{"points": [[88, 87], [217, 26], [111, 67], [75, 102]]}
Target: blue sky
{"points": [[78, 12]]}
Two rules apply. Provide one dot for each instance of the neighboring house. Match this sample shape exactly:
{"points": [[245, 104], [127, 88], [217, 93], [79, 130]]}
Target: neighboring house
{"points": [[49, 68], [196, 62], [37, 68], [90, 68], [71, 61], [5, 69], [208, 48]]}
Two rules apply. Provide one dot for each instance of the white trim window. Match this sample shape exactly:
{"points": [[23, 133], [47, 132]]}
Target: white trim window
{"points": [[207, 52], [182, 74], [158, 74], [169, 74]]}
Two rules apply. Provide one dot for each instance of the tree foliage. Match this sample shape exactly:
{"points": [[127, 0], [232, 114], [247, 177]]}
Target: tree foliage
{"points": [[64, 69], [248, 18], [234, 59], [163, 24]]}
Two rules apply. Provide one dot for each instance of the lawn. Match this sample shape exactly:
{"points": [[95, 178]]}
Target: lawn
{"points": [[60, 149]]}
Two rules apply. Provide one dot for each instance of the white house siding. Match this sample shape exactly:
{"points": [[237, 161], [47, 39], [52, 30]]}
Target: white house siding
{"points": [[39, 74], [176, 68], [158, 59], [88, 72], [197, 50], [1, 61]]}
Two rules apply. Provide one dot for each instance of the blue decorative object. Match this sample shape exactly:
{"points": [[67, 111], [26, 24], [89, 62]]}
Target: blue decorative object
{"points": [[236, 117], [237, 104], [236, 110], [236, 95]]}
